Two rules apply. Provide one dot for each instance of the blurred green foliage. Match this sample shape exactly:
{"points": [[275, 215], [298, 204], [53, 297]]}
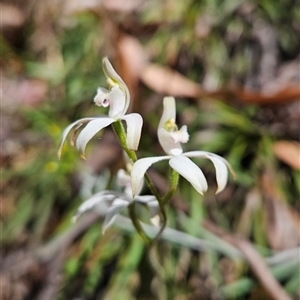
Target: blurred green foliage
{"points": [[45, 192]]}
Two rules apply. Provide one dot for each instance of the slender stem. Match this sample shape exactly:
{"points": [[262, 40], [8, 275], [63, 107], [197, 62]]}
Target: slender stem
{"points": [[121, 133], [173, 187], [161, 206], [137, 224], [152, 187], [165, 199], [163, 225]]}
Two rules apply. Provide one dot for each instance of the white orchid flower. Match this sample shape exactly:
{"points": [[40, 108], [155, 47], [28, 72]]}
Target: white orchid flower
{"points": [[118, 100], [124, 178], [170, 139], [110, 203]]}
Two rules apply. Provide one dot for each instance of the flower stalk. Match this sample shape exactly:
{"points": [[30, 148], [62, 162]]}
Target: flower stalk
{"points": [[109, 203], [121, 134], [174, 178], [137, 224]]}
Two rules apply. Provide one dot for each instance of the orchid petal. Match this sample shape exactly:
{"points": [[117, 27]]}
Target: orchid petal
{"points": [[116, 102], [164, 137], [168, 143], [203, 153], [101, 98], [96, 201], [111, 214], [220, 165], [134, 123], [123, 178], [151, 203], [190, 171], [110, 72], [170, 138], [75, 134], [67, 131], [89, 131], [139, 169], [114, 79], [181, 135], [146, 199], [155, 220], [114, 98], [221, 172], [169, 111]]}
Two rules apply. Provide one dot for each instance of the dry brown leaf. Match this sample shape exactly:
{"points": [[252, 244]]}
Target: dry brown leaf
{"points": [[164, 80], [132, 54], [121, 5], [288, 152], [283, 227], [76, 6], [283, 223], [132, 60], [11, 16], [284, 94]]}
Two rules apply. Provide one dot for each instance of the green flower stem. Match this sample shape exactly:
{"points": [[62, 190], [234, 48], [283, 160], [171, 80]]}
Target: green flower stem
{"points": [[161, 206], [121, 133], [165, 199], [173, 187], [137, 224]]}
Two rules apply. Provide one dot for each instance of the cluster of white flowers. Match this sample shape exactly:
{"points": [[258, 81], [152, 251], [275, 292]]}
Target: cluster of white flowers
{"points": [[117, 98]]}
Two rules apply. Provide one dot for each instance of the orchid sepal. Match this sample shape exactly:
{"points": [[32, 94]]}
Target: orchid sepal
{"points": [[170, 138], [134, 123], [113, 79], [89, 131], [221, 166], [139, 169], [67, 130], [114, 98], [190, 171], [110, 203]]}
